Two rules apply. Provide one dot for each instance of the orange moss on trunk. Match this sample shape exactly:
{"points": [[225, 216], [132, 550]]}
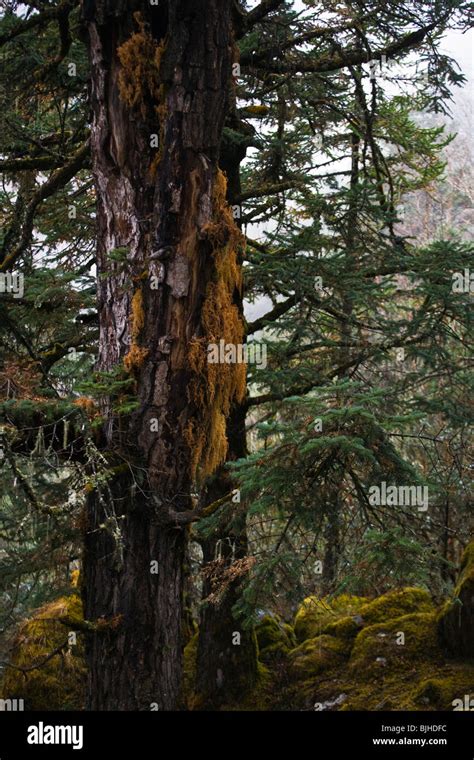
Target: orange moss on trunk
{"points": [[136, 355], [139, 82], [139, 79], [216, 387]]}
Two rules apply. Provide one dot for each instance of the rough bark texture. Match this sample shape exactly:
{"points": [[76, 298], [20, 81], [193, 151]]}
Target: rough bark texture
{"points": [[226, 670], [163, 73]]}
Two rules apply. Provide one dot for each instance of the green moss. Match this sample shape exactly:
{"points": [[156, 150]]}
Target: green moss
{"points": [[396, 603], [268, 631], [189, 670], [344, 615], [316, 655], [425, 686], [275, 638], [439, 692], [290, 632], [379, 648], [345, 628], [315, 614], [60, 682], [467, 567], [359, 661]]}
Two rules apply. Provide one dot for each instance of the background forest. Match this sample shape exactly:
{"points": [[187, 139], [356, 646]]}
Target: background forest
{"points": [[343, 166]]}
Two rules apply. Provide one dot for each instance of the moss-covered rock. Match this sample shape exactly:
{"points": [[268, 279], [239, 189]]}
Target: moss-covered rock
{"points": [[290, 633], [344, 616], [441, 691], [424, 686], [275, 638], [315, 614], [401, 642], [59, 682], [394, 604], [379, 654], [316, 655], [346, 628], [456, 620], [387, 671]]}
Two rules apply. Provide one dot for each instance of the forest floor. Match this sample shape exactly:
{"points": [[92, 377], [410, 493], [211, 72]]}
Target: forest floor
{"points": [[398, 651]]}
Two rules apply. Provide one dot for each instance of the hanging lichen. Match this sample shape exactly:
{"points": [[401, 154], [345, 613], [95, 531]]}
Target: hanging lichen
{"points": [[136, 355], [216, 387]]}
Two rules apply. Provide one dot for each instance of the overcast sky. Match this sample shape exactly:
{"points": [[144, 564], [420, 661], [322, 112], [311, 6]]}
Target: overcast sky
{"points": [[460, 47]]}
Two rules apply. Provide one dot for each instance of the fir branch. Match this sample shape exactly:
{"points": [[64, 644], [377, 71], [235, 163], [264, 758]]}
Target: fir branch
{"points": [[349, 57], [37, 665], [23, 226], [38, 20]]}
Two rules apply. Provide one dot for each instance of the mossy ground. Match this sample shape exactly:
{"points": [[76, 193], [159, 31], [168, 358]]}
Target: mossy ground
{"points": [[385, 655], [388, 653], [275, 638], [59, 683], [314, 614]]}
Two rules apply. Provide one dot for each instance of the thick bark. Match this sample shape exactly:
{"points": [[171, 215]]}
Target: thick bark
{"points": [[135, 656], [226, 663], [160, 76]]}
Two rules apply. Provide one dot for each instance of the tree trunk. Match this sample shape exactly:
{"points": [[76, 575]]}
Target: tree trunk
{"points": [[227, 670], [227, 653], [167, 274], [456, 622]]}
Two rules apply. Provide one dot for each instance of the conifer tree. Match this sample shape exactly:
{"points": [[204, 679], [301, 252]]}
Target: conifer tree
{"points": [[126, 129]]}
